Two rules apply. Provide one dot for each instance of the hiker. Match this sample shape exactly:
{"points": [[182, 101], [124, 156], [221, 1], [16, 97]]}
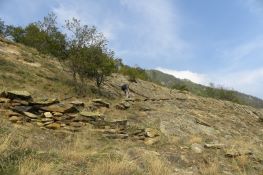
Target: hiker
{"points": [[125, 89]]}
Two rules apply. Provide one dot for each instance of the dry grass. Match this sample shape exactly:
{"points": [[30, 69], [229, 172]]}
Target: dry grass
{"points": [[210, 169], [32, 166], [195, 139], [114, 166], [156, 166]]}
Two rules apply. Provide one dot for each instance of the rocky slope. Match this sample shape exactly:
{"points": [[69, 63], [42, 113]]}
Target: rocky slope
{"points": [[47, 130]]}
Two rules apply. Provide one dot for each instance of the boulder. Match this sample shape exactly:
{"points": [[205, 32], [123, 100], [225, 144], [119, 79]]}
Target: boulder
{"points": [[62, 108], [100, 103], [23, 95]]}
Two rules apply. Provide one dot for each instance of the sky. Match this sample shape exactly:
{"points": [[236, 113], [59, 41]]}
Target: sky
{"points": [[206, 41]]}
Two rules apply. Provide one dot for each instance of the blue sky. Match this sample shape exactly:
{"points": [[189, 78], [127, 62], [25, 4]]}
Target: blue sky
{"points": [[219, 41]]}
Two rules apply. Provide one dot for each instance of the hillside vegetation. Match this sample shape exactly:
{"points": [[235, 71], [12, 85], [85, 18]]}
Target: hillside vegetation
{"points": [[205, 91]]}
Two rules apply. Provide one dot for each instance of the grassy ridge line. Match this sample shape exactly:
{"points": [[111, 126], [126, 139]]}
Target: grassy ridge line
{"points": [[201, 90]]}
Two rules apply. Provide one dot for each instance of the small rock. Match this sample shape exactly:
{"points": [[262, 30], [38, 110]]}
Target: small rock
{"points": [[53, 126], [214, 145], [47, 120], [4, 100], [58, 114], [31, 115], [62, 108], [47, 123], [48, 115], [23, 95], [76, 124], [197, 148], [14, 119], [122, 124], [11, 113], [100, 103], [149, 132], [39, 124], [92, 115], [77, 103], [232, 153], [45, 102], [151, 141], [20, 102], [22, 109], [202, 122], [123, 106]]}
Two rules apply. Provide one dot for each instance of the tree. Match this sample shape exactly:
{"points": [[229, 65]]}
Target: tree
{"points": [[55, 41], [88, 55], [2, 27]]}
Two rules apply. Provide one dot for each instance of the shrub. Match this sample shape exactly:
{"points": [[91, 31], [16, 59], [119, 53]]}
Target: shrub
{"points": [[134, 73]]}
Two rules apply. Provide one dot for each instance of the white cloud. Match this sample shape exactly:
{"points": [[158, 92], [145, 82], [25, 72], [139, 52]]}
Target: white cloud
{"points": [[194, 77], [139, 31]]}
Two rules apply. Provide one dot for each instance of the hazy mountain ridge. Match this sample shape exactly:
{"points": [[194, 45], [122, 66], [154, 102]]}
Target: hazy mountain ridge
{"points": [[198, 89]]}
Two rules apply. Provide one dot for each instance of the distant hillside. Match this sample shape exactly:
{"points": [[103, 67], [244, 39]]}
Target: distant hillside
{"points": [[201, 90]]}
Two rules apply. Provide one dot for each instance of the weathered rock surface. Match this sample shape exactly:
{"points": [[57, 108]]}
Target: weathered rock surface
{"points": [[100, 103]]}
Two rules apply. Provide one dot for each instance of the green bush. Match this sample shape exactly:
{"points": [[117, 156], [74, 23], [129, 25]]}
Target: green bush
{"points": [[134, 73]]}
